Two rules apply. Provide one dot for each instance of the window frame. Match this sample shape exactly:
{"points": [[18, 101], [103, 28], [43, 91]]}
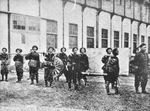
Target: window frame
{"points": [[116, 40], [73, 34], [91, 36], [104, 38]]}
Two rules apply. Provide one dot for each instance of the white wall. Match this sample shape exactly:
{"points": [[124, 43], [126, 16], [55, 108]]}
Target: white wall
{"points": [[27, 7], [127, 29], [116, 26], [73, 15], [89, 13], [3, 5], [104, 22], [53, 10], [3, 31]]}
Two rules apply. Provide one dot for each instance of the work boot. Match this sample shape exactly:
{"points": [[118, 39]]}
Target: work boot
{"points": [[116, 90], [32, 82], [137, 90]]}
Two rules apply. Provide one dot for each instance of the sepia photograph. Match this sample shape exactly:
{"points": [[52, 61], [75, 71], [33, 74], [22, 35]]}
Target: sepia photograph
{"points": [[74, 55]]}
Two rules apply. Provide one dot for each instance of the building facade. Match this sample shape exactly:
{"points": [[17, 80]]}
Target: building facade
{"points": [[83, 23]]}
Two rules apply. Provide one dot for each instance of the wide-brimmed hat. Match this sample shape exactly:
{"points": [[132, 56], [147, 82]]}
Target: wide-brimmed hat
{"points": [[35, 47], [18, 49]]}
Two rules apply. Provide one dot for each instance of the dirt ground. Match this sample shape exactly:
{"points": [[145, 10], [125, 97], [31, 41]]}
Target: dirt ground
{"points": [[25, 97]]}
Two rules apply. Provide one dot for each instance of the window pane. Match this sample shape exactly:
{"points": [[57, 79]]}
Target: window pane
{"points": [[148, 44], [104, 43], [116, 39], [104, 33], [73, 42], [51, 40], [90, 31], [116, 44], [142, 39], [90, 42], [135, 37], [73, 29], [116, 35], [19, 22], [52, 27], [126, 39]]}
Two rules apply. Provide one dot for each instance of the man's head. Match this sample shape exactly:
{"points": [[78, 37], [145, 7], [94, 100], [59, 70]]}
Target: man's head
{"points": [[143, 47], [115, 52], [34, 48], [109, 50], [4, 50]]}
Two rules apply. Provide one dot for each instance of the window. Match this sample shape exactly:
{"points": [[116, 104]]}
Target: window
{"points": [[119, 2], [73, 35], [51, 34], [142, 39], [134, 41], [33, 24], [19, 22], [116, 39], [90, 37], [25, 23], [126, 40], [23, 39], [149, 45], [104, 38]]}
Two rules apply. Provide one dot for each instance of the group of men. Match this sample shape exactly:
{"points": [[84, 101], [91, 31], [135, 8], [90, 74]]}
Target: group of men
{"points": [[71, 66]]}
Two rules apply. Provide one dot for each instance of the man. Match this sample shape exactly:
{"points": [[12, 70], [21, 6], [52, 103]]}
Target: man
{"points": [[34, 63], [141, 61], [49, 66], [18, 58], [64, 58], [73, 69], [4, 64]]}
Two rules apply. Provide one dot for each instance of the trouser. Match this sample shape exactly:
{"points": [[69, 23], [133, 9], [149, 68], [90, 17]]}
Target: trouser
{"points": [[65, 73], [4, 72], [34, 74], [141, 78], [113, 80], [48, 76], [19, 70], [75, 76]]}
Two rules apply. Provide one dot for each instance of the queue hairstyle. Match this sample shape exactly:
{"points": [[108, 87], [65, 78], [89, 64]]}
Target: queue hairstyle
{"points": [[74, 48], [63, 48], [82, 48]]}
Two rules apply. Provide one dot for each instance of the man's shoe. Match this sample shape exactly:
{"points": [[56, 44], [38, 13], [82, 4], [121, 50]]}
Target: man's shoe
{"points": [[137, 92], [144, 92]]}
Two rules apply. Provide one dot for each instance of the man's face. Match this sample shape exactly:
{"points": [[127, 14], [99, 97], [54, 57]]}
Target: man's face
{"points": [[34, 49], [109, 51], [75, 51], [4, 51], [143, 48], [18, 52], [63, 50], [50, 50]]}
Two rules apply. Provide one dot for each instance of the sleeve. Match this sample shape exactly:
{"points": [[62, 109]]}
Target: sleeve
{"points": [[14, 58], [87, 62], [136, 60], [6, 56], [28, 56], [22, 59], [104, 58]]}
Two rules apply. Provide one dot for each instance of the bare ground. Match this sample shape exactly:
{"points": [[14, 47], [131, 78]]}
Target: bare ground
{"points": [[25, 97]]}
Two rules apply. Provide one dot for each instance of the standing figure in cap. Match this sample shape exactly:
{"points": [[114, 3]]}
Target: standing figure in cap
{"points": [[73, 69], [4, 64], [105, 59], [84, 63], [34, 63], [64, 58], [18, 58], [49, 66], [141, 61]]}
